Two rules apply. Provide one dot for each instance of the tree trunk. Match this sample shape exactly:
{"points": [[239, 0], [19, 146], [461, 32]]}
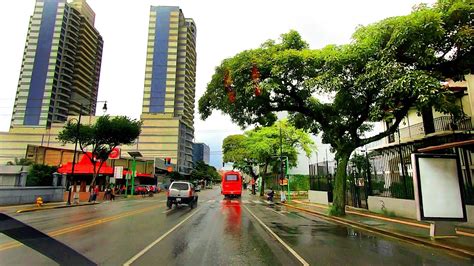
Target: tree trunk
{"points": [[339, 191], [262, 188]]}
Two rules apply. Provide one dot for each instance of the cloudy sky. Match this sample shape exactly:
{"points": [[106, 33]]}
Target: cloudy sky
{"points": [[224, 28]]}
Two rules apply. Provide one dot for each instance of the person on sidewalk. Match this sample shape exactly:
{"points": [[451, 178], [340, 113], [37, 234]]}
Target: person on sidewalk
{"points": [[112, 194], [282, 196], [252, 182], [96, 193], [75, 198]]}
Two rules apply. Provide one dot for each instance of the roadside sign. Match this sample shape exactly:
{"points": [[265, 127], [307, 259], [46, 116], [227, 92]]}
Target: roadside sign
{"points": [[283, 182], [169, 169], [114, 154], [118, 172], [438, 184], [112, 180]]}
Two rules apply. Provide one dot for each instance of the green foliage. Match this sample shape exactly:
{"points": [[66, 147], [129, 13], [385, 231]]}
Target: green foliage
{"points": [[261, 146], [377, 186], [21, 161], [389, 67], [102, 137], [397, 189], [175, 176], [205, 171], [40, 175], [299, 182]]}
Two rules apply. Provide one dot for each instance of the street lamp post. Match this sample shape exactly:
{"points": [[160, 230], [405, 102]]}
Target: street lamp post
{"points": [[134, 154], [74, 156]]}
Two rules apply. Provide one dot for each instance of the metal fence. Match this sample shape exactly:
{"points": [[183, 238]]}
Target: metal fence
{"points": [[392, 174]]}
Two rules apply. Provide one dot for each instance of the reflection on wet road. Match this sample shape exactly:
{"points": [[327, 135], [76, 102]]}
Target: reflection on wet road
{"points": [[217, 232]]}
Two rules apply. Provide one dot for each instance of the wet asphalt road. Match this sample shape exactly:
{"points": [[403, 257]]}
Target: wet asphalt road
{"points": [[217, 232]]}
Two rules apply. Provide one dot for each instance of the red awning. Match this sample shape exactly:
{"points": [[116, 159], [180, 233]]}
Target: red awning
{"points": [[84, 166]]}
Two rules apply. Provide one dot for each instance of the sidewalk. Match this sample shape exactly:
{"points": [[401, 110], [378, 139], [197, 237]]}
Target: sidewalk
{"points": [[47, 206], [400, 228], [57, 205]]}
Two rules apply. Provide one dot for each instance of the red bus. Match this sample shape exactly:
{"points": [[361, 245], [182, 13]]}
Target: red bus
{"points": [[231, 185]]}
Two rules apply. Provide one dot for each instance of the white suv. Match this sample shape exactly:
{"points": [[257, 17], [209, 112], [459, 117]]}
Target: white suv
{"points": [[181, 192]]}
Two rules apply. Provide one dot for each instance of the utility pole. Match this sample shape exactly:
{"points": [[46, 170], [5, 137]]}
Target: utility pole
{"points": [[281, 154]]}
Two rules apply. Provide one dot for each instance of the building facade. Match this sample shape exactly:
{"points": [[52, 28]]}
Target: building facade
{"points": [[201, 152], [169, 89], [61, 64], [391, 160]]}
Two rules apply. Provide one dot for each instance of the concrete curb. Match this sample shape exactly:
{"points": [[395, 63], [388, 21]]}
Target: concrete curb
{"points": [[399, 236], [53, 207]]}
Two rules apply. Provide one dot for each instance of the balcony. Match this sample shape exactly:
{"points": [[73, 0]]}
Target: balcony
{"points": [[441, 124]]}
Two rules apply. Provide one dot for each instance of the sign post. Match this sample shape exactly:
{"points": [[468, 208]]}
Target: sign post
{"points": [[439, 194]]}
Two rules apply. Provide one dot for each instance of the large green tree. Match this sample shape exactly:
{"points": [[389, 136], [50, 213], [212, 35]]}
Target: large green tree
{"points": [[101, 137], [388, 68], [262, 147], [204, 171]]}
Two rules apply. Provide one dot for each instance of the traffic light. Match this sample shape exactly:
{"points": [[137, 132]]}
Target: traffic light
{"points": [[167, 161]]}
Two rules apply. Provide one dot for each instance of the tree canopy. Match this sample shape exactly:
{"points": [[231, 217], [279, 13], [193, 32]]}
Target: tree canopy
{"points": [[205, 172], [388, 68], [101, 137], [261, 147]]}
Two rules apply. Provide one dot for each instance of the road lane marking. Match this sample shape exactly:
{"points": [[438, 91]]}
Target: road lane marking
{"points": [[143, 251], [14, 244], [292, 251], [275, 211], [257, 201], [245, 201], [167, 211], [211, 201]]}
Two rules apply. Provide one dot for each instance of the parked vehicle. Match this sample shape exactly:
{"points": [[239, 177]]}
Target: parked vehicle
{"points": [[231, 185], [181, 192]]}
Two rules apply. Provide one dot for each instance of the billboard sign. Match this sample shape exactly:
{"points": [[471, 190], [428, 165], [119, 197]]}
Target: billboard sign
{"points": [[118, 172], [438, 185]]}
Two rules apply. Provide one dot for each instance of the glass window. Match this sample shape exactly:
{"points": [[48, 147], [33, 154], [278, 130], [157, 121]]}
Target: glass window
{"points": [[231, 178], [180, 186]]}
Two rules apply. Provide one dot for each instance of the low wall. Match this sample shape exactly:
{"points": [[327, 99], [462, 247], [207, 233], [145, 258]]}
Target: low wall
{"points": [[320, 197], [407, 208], [22, 195], [401, 207]]}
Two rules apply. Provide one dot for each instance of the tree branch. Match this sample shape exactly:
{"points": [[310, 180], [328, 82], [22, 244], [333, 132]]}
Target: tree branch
{"points": [[398, 118]]}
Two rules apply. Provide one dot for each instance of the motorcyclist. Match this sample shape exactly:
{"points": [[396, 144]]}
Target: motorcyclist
{"points": [[270, 195]]}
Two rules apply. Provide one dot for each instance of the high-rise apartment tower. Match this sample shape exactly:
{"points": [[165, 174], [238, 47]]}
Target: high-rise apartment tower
{"points": [[61, 64], [168, 99]]}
